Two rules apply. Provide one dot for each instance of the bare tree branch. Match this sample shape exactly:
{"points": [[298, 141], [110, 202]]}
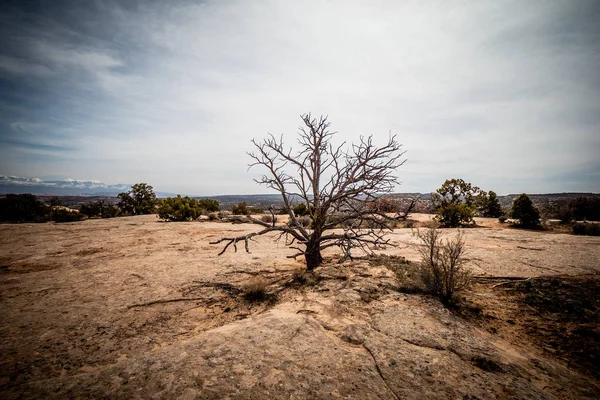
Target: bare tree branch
{"points": [[335, 183]]}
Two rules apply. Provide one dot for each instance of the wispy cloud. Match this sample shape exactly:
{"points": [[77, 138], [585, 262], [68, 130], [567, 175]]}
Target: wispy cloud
{"points": [[505, 95]]}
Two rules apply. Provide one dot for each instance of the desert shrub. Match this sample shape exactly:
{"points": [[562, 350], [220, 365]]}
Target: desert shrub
{"points": [[585, 228], [213, 216], [179, 209], [140, 199], [23, 208], [525, 212], [255, 290], [502, 218], [223, 214], [305, 221], [240, 209], [441, 266], [456, 202], [209, 205], [255, 210], [65, 215], [301, 210], [268, 219]]}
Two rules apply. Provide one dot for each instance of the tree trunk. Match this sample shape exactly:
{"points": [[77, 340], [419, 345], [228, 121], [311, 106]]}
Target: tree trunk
{"points": [[313, 255]]}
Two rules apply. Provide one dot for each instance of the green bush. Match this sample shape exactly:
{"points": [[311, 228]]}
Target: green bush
{"points": [[240, 209], [524, 211], [179, 209], [255, 210], [23, 208], [209, 205], [584, 228], [301, 210]]}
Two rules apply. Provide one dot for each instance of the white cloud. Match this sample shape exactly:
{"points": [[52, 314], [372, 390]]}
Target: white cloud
{"points": [[502, 93]]}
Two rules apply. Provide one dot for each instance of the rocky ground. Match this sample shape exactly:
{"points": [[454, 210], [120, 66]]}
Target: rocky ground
{"points": [[137, 308]]}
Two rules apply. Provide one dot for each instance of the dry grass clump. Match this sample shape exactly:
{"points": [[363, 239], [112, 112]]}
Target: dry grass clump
{"points": [[302, 277], [442, 264], [255, 290], [268, 218]]}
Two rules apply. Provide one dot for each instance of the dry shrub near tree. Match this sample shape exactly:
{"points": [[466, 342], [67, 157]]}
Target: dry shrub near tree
{"points": [[442, 263], [329, 180], [255, 290]]}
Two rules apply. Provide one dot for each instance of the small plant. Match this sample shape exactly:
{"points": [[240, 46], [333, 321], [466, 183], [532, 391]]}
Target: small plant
{"points": [[442, 269], [255, 290], [268, 219], [240, 209], [502, 219]]}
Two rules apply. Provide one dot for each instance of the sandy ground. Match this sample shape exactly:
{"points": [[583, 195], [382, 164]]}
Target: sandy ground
{"points": [[76, 297]]}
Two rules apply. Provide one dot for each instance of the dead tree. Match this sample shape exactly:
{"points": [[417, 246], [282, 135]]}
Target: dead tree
{"points": [[334, 182]]}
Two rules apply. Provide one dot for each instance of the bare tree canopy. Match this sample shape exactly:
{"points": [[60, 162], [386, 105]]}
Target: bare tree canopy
{"points": [[338, 185]]}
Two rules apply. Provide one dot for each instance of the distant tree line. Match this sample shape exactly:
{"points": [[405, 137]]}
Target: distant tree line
{"points": [[139, 200], [28, 208]]}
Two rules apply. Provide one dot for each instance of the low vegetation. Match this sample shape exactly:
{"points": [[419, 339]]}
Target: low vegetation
{"points": [[255, 290], [442, 264], [179, 209], [586, 228], [240, 209], [440, 272]]}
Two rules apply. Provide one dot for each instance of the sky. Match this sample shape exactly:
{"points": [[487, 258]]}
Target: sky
{"points": [[503, 94]]}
